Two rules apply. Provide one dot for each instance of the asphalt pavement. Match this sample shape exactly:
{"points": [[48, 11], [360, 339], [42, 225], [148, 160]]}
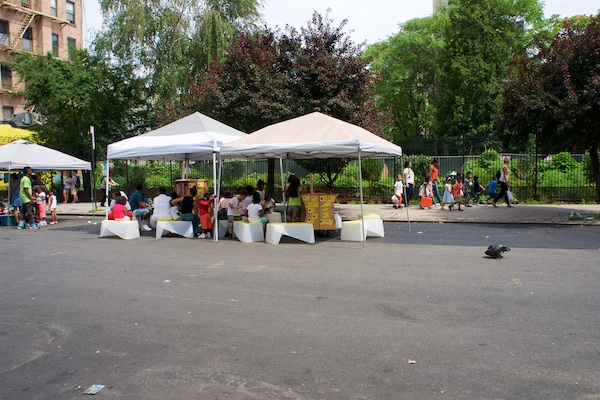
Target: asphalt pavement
{"points": [[420, 313], [519, 214]]}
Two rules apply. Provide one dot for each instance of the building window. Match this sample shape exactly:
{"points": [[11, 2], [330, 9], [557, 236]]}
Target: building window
{"points": [[6, 74], [28, 40], [71, 12], [7, 113], [71, 45], [53, 8], [26, 3], [4, 36], [55, 45]]}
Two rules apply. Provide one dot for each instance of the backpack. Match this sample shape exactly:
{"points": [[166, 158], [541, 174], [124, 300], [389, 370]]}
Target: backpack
{"points": [[423, 189], [77, 181]]}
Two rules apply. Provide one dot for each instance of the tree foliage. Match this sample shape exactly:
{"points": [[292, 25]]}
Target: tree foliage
{"points": [[71, 96], [554, 94], [166, 43], [441, 76], [270, 77]]}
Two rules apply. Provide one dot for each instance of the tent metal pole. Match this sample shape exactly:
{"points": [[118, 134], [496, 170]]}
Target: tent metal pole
{"points": [[362, 211], [216, 197], [108, 200], [282, 189]]}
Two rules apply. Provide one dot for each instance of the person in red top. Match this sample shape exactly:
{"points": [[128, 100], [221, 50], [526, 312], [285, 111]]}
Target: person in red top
{"points": [[204, 206], [434, 172], [119, 210]]}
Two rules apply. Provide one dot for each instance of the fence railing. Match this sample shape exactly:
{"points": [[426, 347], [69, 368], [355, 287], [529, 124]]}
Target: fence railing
{"points": [[533, 177]]}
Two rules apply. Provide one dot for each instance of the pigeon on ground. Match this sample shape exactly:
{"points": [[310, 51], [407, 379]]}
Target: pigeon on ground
{"points": [[496, 250]]}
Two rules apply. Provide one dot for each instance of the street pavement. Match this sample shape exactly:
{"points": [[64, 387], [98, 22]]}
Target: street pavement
{"points": [[418, 314], [519, 214]]}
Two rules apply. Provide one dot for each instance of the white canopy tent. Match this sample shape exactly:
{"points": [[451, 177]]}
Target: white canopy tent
{"points": [[313, 135], [195, 137], [23, 153]]}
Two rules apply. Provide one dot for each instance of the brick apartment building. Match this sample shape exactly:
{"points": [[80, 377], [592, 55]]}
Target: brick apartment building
{"points": [[38, 27]]}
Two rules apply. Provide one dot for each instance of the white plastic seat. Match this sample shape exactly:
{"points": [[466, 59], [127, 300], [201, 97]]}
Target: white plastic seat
{"points": [[181, 228], [352, 231], [297, 230], [123, 229], [248, 232], [274, 217]]}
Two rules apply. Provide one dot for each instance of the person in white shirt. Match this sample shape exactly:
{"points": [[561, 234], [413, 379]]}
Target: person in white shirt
{"points": [[255, 210], [162, 207], [409, 181], [233, 211]]}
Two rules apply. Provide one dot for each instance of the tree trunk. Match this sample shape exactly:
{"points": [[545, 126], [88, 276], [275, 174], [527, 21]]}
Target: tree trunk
{"points": [[595, 167]]}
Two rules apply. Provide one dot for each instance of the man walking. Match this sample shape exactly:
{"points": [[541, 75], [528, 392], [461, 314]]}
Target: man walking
{"points": [[26, 195]]}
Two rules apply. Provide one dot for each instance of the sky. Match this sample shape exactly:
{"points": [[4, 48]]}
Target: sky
{"points": [[371, 23]]}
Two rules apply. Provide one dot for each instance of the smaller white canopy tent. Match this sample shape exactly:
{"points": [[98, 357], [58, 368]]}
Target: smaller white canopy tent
{"points": [[195, 137], [313, 135], [22, 153]]}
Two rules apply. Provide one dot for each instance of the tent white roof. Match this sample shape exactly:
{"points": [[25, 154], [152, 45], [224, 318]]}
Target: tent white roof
{"points": [[22, 153], [194, 137], [313, 135]]}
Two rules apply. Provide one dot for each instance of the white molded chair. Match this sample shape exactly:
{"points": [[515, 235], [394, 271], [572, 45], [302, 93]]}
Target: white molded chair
{"points": [[248, 232], [181, 228], [123, 229], [297, 230]]}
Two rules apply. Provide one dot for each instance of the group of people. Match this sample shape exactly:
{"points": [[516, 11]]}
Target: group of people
{"points": [[30, 201], [249, 202], [458, 188]]}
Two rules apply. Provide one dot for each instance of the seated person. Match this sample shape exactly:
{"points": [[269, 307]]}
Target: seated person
{"points": [[140, 208], [189, 209], [224, 204], [175, 212], [119, 210], [256, 211], [162, 207], [115, 194], [236, 207]]}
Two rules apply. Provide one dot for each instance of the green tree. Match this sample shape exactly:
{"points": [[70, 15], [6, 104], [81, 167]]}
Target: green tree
{"points": [[166, 43], [71, 96], [481, 37], [269, 77], [555, 94], [409, 64]]}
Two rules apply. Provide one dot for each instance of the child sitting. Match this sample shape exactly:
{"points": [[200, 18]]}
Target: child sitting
{"points": [[119, 210]]}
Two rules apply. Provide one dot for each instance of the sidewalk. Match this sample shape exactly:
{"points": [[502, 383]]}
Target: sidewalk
{"points": [[520, 214]]}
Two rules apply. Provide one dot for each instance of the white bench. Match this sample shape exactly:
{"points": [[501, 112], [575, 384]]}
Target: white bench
{"points": [[353, 232], [274, 217], [181, 228], [297, 230], [123, 229], [374, 225], [248, 232]]}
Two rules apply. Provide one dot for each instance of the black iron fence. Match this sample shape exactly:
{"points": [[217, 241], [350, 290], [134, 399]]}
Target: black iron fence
{"points": [[543, 178]]}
